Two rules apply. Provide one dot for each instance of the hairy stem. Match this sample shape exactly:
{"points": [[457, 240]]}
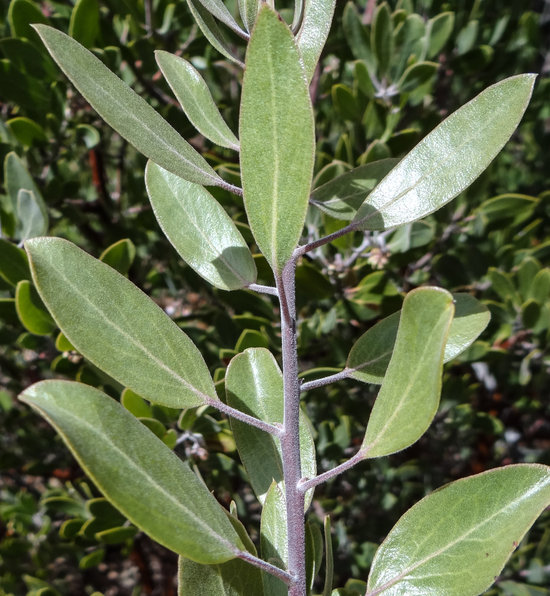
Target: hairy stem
{"points": [[290, 439], [308, 483]]}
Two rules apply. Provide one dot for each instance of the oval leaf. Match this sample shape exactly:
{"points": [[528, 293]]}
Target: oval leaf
{"points": [[254, 384], [450, 158], [195, 99], [119, 255], [32, 219], [313, 32], [123, 109], [31, 311], [382, 38], [14, 265], [370, 355], [277, 139], [117, 327], [200, 230], [409, 396], [137, 473], [457, 540]]}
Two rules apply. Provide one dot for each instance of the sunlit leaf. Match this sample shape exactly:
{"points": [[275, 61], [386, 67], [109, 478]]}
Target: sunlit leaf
{"points": [[456, 540], [137, 473]]}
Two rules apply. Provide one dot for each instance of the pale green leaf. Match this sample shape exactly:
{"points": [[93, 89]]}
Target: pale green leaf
{"points": [[195, 99], [382, 38], [448, 159], [370, 355], [341, 197], [137, 473], [128, 113], [32, 219], [274, 538], [409, 396], [248, 10], [456, 540], [313, 32], [200, 230], [277, 139], [218, 9], [439, 30], [254, 385], [117, 327], [213, 33]]}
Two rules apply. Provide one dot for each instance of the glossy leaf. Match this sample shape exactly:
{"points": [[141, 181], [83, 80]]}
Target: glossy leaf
{"points": [[341, 197], [370, 355], [31, 310], [137, 473], [218, 9], [213, 33], [456, 540], [31, 217], [14, 265], [117, 327], [200, 230], [195, 99], [409, 396], [313, 32], [274, 538], [123, 109], [448, 159], [119, 255], [254, 384], [248, 10], [277, 139]]}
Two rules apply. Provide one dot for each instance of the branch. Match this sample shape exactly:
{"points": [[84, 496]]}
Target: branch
{"points": [[263, 289], [265, 566], [247, 419], [301, 250], [343, 374], [307, 483]]}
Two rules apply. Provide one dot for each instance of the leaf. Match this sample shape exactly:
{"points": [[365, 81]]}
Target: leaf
{"points": [[209, 26], [123, 109], [26, 131], [31, 311], [14, 265], [370, 355], [84, 23], [274, 538], [416, 75], [248, 9], [119, 255], [195, 99], [456, 540], [254, 384], [218, 9], [20, 14], [137, 473], [409, 396], [341, 197], [448, 159], [382, 38], [277, 139], [440, 29], [313, 32], [314, 553], [32, 219], [117, 327], [200, 230]]}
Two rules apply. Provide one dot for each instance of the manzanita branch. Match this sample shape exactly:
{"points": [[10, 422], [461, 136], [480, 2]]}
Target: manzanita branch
{"points": [[265, 566], [307, 483], [263, 289], [339, 376], [246, 418], [302, 250]]}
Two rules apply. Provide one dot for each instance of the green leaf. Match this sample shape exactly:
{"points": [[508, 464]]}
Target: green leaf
{"points": [[123, 109], [382, 38], [116, 535], [137, 473], [540, 288], [117, 327], [218, 9], [409, 396], [209, 26], [26, 131], [277, 139], [370, 355], [195, 99], [21, 14], [341, 197], [448, 159], [329, 558], [416, 75], [313, 32], [254, 384], [456, 540], [439, 31], [274, 538], [84, 23], [119, 255], [14, 265], [31, 310], [248, 10], [32, 219], [200, 230], [314, 553]]}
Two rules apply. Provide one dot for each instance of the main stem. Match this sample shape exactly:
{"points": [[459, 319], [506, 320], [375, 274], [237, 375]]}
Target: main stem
{"points": [[290, 438]]}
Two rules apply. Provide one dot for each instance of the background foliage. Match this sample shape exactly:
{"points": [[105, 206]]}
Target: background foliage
{"points": [[68, 174]]}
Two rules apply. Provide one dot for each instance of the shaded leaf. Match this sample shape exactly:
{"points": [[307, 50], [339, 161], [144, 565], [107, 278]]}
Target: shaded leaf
{"points": [[409, 396], [218, 9], [416, 75], [31, 310], [382, 38], [137, 473], [195, 99], [123, 109], [274, 538], [14, 264], [456, 540], [448, 159], [277, 139], [117, 327], [200, 230], [119, 255], [439, 31], [32, 219], [248, 10], [84, 23]]}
